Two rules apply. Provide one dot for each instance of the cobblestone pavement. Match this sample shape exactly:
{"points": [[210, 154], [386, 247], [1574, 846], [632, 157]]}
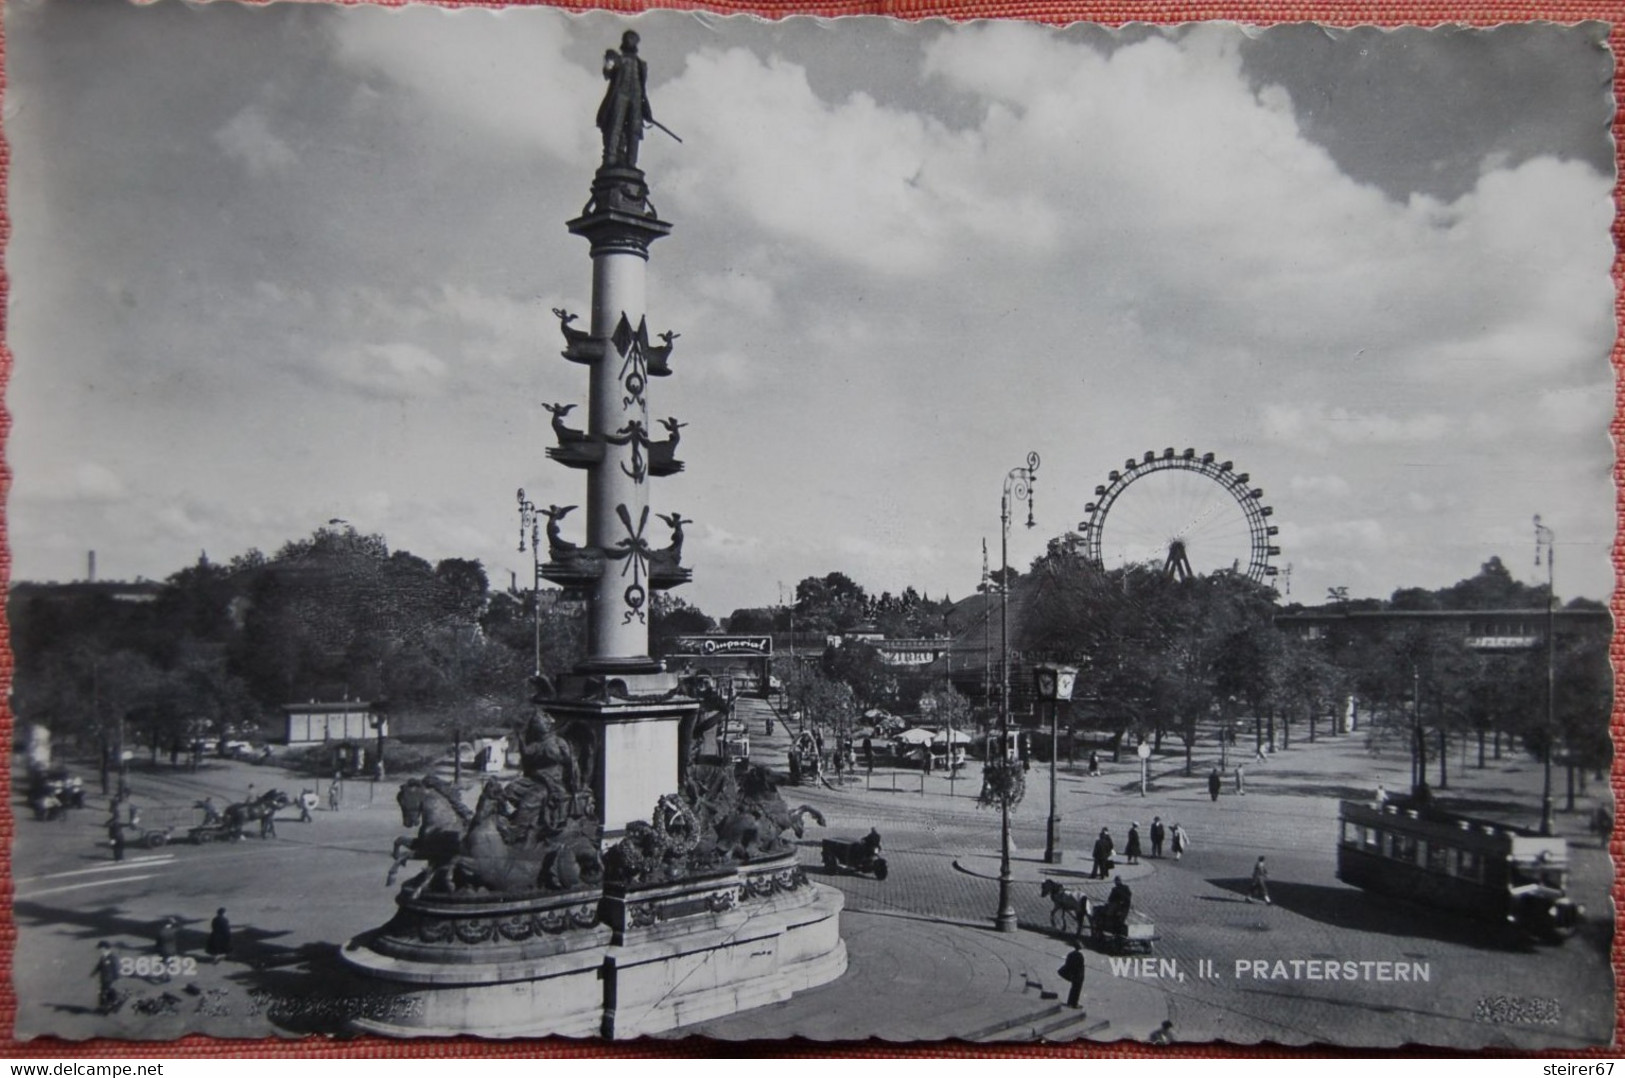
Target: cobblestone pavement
{"points": [[929, 924], [925, 962]]}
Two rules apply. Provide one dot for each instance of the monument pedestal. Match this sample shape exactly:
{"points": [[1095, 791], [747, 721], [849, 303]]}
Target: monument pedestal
{"points": [[636, 721], [487, 967], [650, 960]]}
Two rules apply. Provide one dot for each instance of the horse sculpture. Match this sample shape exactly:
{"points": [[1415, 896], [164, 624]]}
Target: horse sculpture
{"points": [[436, 809], [505, 844], [1065, 904]]}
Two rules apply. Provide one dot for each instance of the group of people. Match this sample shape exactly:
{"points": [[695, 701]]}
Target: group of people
{"points": [[1105, 847], [167, 943]]}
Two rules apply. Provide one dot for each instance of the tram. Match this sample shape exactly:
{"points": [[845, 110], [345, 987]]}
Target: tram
{"points": [[1459, 863]]}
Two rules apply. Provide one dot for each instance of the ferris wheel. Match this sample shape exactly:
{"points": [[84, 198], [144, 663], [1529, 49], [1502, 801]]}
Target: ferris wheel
{"points": [[1188, 511]]}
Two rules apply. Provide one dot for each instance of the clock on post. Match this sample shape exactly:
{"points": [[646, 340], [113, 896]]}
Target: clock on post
{"points": [[1054, 681]]}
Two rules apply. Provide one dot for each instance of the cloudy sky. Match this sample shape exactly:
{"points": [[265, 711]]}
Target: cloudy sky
{"points": [[274, 266]]}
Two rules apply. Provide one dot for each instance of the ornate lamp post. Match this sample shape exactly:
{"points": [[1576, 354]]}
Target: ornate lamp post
{"points": [[1547, 540], [1018, 485], [1054, 684], [529, 519]]}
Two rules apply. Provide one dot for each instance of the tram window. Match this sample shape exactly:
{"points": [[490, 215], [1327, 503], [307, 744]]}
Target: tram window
{"points": [[1402, 848], [1468, 865], [1438, 858], [1371, 838]]}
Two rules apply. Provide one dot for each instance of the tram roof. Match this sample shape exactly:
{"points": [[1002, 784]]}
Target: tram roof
{"points": [[1458, 830]]}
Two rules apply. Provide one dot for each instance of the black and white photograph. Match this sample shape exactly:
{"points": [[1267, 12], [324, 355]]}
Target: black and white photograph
{"points": [[536, 524]]}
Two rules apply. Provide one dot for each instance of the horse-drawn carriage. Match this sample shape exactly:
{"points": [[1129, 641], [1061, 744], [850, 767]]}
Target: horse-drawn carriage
{"points": [[1112, 927], [855, 855], [233, 823]]}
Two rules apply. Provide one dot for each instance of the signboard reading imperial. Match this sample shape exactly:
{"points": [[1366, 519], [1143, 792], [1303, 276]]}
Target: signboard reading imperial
{"points": [[1341, 305]]}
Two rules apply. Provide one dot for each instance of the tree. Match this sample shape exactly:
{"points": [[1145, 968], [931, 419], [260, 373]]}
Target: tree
{"points": [[873, 683], [832, 603], [671, 616]]}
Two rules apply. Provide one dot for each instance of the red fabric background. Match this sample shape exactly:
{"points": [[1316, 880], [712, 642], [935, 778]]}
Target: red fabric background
{"points": [[1111, 12]]}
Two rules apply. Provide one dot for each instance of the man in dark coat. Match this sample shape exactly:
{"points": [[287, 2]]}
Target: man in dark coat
{"points": [[1072, 971], [219, 943], [106, 972], [1213, 784], [1104, 848], [1115, 913], [626, 102], [1158, 833], [1131, 847]]}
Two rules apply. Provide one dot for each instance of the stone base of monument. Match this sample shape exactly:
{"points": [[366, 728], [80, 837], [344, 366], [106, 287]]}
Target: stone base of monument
{"points": [[485, 966], [655, 958], [703, 948]]}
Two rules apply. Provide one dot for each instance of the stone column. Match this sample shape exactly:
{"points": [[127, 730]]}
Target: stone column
{"points": [[620, 225]]}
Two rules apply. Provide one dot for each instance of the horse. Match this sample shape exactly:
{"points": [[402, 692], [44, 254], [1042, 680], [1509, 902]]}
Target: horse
{"points": [[1065, 904], [238, 816], [436, 809]]}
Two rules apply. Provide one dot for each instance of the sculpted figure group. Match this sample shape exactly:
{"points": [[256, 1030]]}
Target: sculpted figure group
{"points": [[539, 832]]}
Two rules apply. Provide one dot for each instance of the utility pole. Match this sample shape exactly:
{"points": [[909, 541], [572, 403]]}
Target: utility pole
{"points": [[1547, 540]]}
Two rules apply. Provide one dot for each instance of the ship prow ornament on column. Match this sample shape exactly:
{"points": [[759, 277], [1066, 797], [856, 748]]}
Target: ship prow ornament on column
{"points": [[615, 889]]}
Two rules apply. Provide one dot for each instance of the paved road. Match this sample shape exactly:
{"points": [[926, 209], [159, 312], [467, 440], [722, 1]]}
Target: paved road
{"points": [[924, 960]]}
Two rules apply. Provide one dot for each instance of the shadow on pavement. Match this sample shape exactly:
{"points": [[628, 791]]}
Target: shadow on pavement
{"points": [[1348, 907]]}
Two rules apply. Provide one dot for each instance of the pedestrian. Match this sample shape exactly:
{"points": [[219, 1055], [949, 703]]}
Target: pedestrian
{"points": [[268, 822], [135, 815], [1114, 914], [1213, 784], [115, 832], [219, 943], [1131, 846], [1260, 887], [1094, 763], [307, 801], [106, 972], [1382, 794], [251, 794], [1181, 841], [1163, 1034], [1258, 753], [1241, 781], [169, 940], [1104, 848], [1158, 833], [1072, 971], [334, 794]]}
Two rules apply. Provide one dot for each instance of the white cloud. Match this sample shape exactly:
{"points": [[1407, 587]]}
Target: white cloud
{"points": [[506, 77], [247, 138], [394, 369]]}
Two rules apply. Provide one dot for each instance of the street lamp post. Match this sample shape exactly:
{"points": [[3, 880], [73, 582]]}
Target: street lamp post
{"points": [[1018, 485], [1546, 539], [530, 519]]}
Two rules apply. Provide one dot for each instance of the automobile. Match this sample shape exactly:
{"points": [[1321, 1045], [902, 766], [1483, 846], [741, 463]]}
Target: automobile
{"points": [[236, 748]]}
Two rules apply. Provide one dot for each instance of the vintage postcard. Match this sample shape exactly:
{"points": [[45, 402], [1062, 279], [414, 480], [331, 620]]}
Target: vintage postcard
{"points": [[536, 524]]}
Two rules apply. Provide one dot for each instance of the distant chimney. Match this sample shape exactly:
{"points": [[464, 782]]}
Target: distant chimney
{"points": [[91, 568]]}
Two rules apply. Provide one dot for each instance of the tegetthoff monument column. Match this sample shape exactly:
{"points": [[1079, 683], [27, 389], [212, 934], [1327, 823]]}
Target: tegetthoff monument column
{"points": [[632, 703], [622, 885]]}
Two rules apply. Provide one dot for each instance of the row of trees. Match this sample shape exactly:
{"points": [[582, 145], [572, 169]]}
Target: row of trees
{"points": [[835, 603], [338, 614], [1161, 656], [221, 646]]}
